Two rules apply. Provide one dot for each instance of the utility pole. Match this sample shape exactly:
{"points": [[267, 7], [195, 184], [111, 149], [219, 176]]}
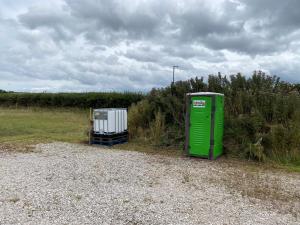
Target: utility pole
{"points": [[174, 74], [172, 85]]}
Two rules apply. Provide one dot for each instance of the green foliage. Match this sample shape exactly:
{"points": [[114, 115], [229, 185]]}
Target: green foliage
{"points": [[157, 128], [78, 100], [262, 115]]}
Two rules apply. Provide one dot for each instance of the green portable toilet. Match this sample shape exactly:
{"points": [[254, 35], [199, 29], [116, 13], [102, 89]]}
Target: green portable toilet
{"points": [[204, 124]]}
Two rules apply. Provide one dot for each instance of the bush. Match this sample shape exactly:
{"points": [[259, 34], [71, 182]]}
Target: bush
{"points": [[262, 115]]}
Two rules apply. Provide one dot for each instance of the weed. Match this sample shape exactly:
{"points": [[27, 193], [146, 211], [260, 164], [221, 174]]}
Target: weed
{"points": [[186, 177], [78, 197], [14, 199]]}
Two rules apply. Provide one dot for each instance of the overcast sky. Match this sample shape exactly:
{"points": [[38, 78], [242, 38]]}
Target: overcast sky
{"points": [[105, 45]]}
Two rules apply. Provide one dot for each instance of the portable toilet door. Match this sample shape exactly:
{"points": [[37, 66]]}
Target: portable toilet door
{"points": [[204, 124]]}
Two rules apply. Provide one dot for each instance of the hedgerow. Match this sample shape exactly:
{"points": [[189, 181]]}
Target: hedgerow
{"points": [[79, 100]]}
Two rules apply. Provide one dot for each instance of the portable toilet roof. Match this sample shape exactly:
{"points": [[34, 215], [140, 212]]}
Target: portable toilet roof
{"points": [[204, 94]]}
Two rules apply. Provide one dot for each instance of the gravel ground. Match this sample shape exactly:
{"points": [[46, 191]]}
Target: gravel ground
{"points": [[61, 183]]}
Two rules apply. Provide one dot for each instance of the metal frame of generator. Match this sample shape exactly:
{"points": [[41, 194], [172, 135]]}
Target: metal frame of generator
{"points": [[108, 126], [204, 124]]}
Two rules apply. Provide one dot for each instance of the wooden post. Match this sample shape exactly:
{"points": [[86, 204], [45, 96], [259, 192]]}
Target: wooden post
{"points": [[90, 127]]}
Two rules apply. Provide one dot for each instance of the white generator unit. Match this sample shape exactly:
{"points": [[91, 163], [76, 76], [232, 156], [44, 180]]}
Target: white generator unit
{"points": [[110, 121]]}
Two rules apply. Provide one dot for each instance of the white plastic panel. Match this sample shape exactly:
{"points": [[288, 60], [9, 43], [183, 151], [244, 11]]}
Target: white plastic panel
{"points": [[204, 93], [110, 121]]}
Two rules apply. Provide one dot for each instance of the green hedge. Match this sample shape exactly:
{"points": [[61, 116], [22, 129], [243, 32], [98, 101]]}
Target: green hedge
{"points": [[80, 100]]}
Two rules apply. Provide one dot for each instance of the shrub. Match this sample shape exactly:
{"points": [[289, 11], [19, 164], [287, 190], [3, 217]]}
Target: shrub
{"points": [[262, 115]]}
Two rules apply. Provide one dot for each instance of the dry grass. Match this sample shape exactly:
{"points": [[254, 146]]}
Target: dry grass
{"points": [[14, 199], [186, 177], [261, 184], [17, 147], [149, 149]]}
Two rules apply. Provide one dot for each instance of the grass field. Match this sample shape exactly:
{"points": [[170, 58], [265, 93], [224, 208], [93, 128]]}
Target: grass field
{"points": [[20, 128], [35, 125]]}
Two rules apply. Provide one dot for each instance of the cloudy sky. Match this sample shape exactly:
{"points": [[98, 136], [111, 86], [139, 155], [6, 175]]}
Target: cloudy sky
{"points": [[105, 45]]}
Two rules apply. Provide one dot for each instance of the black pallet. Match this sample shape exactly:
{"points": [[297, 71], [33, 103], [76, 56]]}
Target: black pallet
{"points": [[109, 139]]}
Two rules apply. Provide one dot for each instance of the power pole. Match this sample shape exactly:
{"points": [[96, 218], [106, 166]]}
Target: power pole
{"points": [[172, 85], [174, 74]]}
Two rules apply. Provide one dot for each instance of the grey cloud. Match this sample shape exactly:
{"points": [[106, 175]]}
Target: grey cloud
{"points": [[199, 21], [145, 54], [56, 22], [116, 17], [247, 43], [108, 22], [132, 45], [188, 52], [37, 18], [284, 14]]}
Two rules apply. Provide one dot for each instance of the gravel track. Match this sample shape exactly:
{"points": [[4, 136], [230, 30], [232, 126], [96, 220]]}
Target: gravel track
{"points": [[61, 183]]}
